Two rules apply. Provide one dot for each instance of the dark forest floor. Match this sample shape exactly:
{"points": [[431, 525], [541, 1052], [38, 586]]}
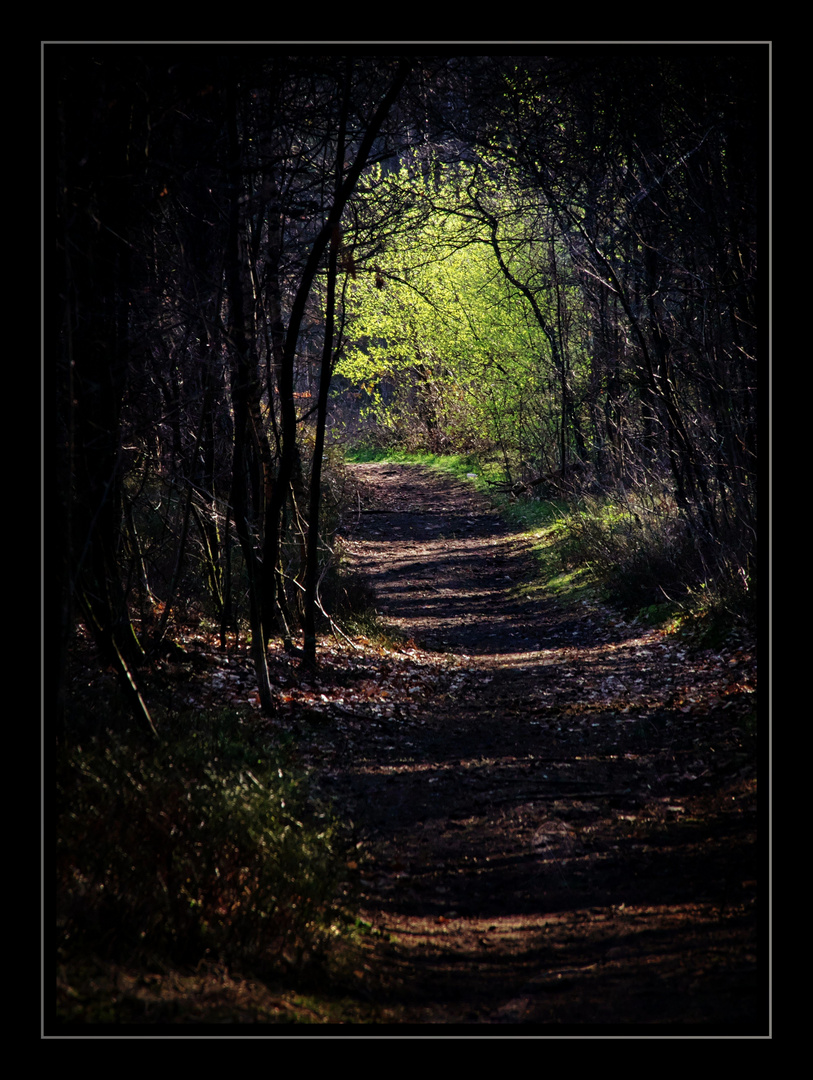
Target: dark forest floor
{"points": [[555, 811]]}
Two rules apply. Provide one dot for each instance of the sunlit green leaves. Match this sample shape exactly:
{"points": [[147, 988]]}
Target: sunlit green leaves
{"points": [[462, 335]]}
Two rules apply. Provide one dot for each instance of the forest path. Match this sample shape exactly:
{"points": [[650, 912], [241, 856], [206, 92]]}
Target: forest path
{"points": [[562, 830]]}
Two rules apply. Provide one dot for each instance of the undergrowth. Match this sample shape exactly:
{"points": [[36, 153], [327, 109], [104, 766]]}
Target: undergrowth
{"points": [[644, 559], [208, 848]]}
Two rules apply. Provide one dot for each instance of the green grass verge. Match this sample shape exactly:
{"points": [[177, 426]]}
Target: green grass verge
{"points": [[633, 552], [484, 476], [542, 522], [457, 464]]}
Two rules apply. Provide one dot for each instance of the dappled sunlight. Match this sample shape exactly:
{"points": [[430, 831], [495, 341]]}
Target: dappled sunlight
{"points": [[549, 790]]}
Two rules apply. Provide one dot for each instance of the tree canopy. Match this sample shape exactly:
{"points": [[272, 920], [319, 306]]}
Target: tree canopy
{"points": [[548, 260]]}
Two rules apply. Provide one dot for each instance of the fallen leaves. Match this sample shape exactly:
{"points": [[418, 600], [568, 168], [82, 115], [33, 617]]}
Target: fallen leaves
{"points": [[358, 681]]}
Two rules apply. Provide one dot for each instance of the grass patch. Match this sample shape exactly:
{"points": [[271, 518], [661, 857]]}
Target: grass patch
{"points": [[352, 601], [368, 625], [457, 464], [483, 475], [561, 576]]}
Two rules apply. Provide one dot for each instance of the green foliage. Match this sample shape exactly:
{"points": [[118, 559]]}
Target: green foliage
{"points": [[207, 848], [650, 562], [502, 320], [448, 354]]}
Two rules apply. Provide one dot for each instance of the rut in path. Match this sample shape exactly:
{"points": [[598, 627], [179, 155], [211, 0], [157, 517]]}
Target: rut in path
{"points": [[526, 832]]}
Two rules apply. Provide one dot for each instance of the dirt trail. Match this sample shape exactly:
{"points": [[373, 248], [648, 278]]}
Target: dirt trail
{"points": [[564, 831]]}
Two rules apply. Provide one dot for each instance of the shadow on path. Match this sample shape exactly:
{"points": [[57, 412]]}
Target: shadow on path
{"points": [[553, 807]]}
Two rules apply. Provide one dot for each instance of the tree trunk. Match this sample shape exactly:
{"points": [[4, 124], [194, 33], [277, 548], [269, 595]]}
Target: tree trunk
{"points": [[242, 383], [94, 231], [289, 450]]}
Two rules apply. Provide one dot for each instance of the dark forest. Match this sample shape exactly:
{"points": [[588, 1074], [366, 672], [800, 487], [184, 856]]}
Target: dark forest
{"points": [[270, 271]]}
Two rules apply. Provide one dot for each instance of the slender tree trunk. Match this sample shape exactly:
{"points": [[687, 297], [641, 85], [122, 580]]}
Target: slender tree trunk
{"points": [[97, 290], [312, 566], [289, 453], [241, 391]]}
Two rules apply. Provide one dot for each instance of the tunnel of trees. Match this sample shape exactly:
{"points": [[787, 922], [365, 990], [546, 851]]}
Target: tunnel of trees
{"points": [[546, 260]]}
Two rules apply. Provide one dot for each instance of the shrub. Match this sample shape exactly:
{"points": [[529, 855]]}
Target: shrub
{"points": [[206, 848], [648, 558], [634, 556]]}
